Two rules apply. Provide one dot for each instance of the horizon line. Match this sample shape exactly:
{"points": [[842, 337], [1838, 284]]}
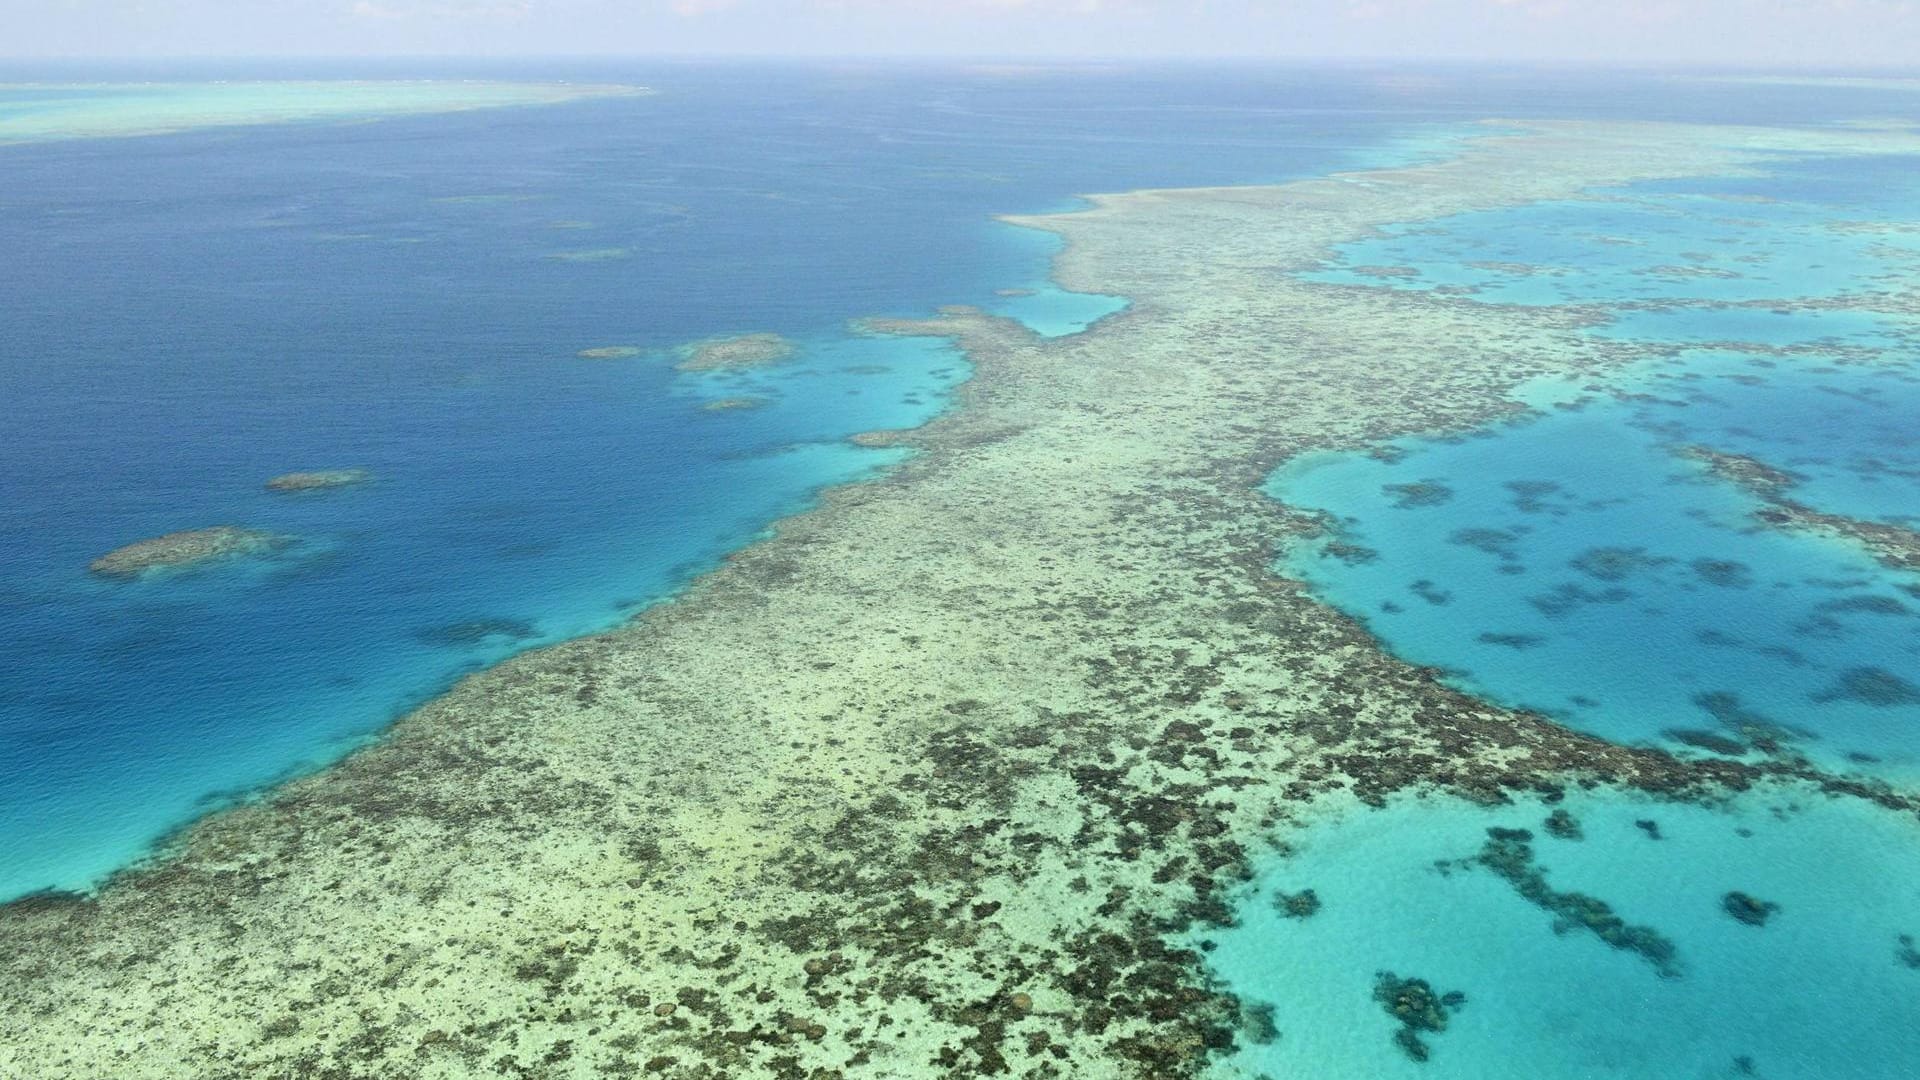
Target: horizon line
{"points": [[1024, 59]]}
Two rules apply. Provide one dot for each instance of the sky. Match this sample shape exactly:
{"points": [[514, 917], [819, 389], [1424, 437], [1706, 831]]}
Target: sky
{"points": [[1738, 33]]}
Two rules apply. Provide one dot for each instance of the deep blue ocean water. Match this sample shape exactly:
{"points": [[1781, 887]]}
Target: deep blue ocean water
{"points": [[184, 316]]}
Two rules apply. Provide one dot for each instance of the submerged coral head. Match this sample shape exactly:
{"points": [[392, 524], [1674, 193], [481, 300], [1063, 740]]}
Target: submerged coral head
{"points": [[190, 547]]}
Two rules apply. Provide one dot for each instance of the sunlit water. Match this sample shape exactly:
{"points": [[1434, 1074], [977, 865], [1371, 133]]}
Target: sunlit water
{"points": [[1575, 561], [184, 316], [1824, 987]]}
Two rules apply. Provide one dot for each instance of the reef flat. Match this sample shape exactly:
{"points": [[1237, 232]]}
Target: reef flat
{"points": [[179, 550], [921, 785]]}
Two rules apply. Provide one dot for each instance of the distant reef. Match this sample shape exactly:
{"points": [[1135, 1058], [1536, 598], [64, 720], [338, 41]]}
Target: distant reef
{"points": [[742, 351], [591, 255], [610, 352], [318, 480], [187, 548], [732, 404]]}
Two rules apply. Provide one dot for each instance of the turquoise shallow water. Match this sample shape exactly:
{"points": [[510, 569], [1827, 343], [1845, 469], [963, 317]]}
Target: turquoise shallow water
{"points": [[1575, 562], [1572, 561], [1825, 988], [187, 315]]}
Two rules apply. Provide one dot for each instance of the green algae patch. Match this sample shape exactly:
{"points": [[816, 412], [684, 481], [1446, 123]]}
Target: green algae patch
{"points": [[318, 480], [188, 548], [733, 353]]}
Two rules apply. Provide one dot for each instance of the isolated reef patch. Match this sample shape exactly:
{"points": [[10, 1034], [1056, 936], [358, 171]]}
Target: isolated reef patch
{"points": [[591, 255], [739, 351], [189, 547], [610, 352], [318, 480]]}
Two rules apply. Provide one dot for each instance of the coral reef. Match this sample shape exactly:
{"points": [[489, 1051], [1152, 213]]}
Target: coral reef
{"points": [[1564, 825], [1509, 853], [318, 480], [1747, 909], [1300, 905], [591, 255], [933, 781], [190, 547], [728, 353], [610, 352], [1894, 546], [1420, 1009]]}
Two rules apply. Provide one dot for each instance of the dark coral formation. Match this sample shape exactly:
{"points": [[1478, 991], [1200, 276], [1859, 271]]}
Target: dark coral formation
{"points": [[1419, 493], [1710, 741], [1509, 853], [1564, 825], [1300, 905], [1419, 1008], [1747, 727], [1748, 909], [1723, 573], [1871, 686], [1894, 546], [1501, 543], [478, 632], [1613, 564], [1531, 496], [1512, 641]]}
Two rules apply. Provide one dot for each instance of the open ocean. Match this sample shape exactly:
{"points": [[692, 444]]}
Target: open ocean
{"points": [[183, 316]]}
